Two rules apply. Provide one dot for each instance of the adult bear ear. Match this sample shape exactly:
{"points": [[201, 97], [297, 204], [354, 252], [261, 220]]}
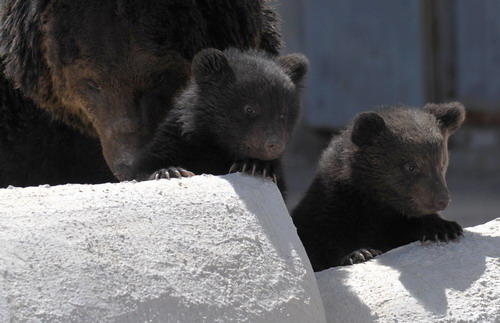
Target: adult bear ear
{"points": [[210, 66], [295, 66], [366, 127], [450, 115]]}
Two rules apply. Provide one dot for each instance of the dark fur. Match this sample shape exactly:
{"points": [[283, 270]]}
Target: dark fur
{"points": [[235, 105], [54, 153], [380, 185], [112, 68]]}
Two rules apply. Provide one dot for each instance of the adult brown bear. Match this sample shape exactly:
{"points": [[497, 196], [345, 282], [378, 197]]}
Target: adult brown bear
{"points": [[107, 70]]}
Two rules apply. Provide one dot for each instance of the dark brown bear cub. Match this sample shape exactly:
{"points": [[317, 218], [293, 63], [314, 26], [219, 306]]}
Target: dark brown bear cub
{"points": [[380, 185], [238, 110]]}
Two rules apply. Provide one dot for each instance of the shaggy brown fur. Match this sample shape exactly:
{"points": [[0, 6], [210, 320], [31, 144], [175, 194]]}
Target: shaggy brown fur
{"points": [[112, 68]]}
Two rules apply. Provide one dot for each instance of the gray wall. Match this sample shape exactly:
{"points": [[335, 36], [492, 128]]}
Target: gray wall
{"points": [[364, 54], [478, 53]]}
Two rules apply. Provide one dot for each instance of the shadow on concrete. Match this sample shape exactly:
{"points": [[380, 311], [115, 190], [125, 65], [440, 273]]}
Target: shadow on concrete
{"points": [[340, 302], [454, 266]]}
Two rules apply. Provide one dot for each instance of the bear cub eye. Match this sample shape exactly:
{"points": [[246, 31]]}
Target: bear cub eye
{"points": [[250, 110], [410, 168]]}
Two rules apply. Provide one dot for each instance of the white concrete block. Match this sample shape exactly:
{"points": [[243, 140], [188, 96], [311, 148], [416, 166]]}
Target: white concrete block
{"points": [[203, 249], [455, 282]]}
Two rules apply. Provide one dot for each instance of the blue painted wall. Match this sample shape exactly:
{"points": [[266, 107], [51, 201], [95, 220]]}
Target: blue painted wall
{"points": [[478, 53], [364, 54]]}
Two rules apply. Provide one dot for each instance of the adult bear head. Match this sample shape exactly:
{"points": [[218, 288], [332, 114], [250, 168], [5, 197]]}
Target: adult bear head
{"points": [[112, 69], [112, 78]]}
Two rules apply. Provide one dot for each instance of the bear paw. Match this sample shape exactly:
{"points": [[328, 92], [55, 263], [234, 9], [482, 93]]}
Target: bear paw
{"points": [[266, 168], [171, 172], [359, 256], [436, 229]]}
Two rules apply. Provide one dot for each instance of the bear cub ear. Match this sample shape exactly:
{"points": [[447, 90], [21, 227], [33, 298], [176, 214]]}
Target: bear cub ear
{"points": [[211, 66], [295, 66], [450, 115], [366, 127]]}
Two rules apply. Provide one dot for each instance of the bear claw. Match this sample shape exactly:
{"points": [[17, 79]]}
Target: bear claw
{"points": [[359, 256], [439, 230], [171, 172], [257, 167]]}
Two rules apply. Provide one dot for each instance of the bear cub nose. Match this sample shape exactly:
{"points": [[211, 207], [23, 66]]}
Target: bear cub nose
{"points": [[274, 146], [442, 203]]}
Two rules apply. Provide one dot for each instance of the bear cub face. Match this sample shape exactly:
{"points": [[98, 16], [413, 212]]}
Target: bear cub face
{"points": [[404, 163], [236, 113], [248, 102], [380, 184]]}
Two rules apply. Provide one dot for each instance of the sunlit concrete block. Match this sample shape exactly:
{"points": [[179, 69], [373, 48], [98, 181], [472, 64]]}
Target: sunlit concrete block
{"points": [[200, 249], [454, 282]]}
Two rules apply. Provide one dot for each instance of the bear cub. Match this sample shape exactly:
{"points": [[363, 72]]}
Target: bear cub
{"points": [[379, 185], [236, 114]]}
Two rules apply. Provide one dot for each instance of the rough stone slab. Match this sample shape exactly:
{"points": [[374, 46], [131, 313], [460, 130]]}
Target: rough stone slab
{"points": [[203, 249], [455, 282]]}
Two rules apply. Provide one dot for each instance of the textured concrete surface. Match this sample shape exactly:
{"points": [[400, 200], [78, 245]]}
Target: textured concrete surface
{"points": [[455, 282], [202, 249]]}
